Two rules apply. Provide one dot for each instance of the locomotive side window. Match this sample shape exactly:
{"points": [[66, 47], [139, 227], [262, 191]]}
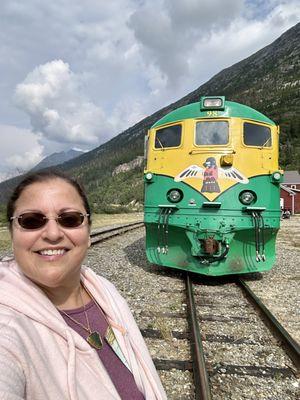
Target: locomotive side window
{"points": [[168, 137], [212, 133], [146, 149], [257, 135]]}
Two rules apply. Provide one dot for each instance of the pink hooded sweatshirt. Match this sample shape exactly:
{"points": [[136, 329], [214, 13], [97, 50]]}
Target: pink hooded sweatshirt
{"points": [[42, 358]]}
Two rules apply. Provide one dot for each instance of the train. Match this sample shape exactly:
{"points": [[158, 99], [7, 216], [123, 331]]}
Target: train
{"points": [[212, 189]]}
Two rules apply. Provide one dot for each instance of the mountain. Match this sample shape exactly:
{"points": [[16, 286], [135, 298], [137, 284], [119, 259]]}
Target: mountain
{"points": [[268, 81], [57, 158]]}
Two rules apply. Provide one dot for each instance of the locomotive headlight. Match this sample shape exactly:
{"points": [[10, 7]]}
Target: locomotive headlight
{"points": [[276, 177], [174, 195], [247, 197], [212, 102], [148, 176]]}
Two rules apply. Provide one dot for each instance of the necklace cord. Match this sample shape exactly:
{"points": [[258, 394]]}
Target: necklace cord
{"points": [[94, 338], [84, 310]]}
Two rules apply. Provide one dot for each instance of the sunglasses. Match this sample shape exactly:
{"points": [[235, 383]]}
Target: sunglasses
{"points": [[36, 220]]}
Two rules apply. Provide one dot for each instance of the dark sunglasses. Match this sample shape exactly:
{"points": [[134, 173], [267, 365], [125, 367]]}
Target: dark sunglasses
{"points": [[36, 220]]}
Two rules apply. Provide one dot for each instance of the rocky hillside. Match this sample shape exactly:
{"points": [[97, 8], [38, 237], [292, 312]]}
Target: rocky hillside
{"points": [[269, 81]]}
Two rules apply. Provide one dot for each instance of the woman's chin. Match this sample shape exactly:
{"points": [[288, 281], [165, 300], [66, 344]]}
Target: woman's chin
{"points": [[53, 277]]}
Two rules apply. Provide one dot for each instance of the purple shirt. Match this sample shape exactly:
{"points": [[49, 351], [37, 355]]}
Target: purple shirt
{"points": [[121, 377]]}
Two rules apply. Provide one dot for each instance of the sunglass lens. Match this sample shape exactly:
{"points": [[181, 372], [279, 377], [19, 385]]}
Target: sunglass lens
{"points": [[70, 219], [32, 220]]}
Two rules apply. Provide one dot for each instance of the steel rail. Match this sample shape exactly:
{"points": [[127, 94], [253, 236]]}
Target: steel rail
{"points": [[202, 388], [116, 232], [293, 348], [95, 233]]}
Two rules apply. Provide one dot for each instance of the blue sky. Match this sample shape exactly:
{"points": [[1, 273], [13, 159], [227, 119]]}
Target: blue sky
{"points": [[74, 74]]}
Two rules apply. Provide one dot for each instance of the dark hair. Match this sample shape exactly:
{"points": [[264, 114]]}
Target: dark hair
{"points": [[44, 176]]}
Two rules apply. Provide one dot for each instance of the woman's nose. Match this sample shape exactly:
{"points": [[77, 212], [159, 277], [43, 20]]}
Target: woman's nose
{"points": [[52, 230]]}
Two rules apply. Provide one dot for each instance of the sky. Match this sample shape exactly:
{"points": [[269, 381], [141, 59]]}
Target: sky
{"points": [[76, 73]]}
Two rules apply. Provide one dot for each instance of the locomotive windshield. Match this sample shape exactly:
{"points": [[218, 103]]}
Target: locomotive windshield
{"points": [[257, 135], [212, 133], [168, 137]]}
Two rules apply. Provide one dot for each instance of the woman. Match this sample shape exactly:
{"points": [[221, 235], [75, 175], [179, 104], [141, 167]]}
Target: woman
{"points": [[65, 333]]}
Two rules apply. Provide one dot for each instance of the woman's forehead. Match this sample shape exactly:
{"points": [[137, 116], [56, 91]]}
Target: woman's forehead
{"points": [[51, 193]]}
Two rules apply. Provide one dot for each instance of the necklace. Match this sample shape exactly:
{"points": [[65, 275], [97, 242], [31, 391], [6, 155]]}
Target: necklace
{"points": [[94, 339], [110, 337]]}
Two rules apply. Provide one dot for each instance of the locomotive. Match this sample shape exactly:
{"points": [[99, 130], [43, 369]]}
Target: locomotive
{"points": [[212, 189]]}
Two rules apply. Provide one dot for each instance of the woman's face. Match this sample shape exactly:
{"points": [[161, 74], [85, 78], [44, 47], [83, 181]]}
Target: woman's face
{"points": [[30, 246]]}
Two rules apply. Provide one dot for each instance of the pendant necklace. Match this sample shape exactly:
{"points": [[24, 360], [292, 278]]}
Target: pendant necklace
{"points": [[94, 339], [110, 336]]}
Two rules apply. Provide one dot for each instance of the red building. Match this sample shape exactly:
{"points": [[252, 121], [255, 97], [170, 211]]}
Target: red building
{"points": [[290, 192]]}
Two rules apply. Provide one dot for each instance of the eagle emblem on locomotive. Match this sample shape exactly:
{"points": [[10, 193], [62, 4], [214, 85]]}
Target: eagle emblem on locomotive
{"points": [[210, 175]]}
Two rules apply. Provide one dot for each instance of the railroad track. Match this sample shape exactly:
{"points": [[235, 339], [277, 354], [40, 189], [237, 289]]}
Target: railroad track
{"points": [[272, 341], [291, 346], [101, 235], [263, 351]]}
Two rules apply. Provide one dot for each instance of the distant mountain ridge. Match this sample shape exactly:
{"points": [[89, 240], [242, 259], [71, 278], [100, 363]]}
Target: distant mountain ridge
{"points": [[57, 158], [268, 81]]}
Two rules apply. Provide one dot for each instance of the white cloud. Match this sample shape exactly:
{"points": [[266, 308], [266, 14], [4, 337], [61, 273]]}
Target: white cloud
{"points": [[169, 38], [52, 98], [26, 160], [20, 149], [127, 114]]}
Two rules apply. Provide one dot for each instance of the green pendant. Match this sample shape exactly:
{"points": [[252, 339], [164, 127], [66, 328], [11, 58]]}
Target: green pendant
{"points": [[95, 340]]}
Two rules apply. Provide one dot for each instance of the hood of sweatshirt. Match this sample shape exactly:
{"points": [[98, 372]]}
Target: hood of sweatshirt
{"points": [[22, 295]]}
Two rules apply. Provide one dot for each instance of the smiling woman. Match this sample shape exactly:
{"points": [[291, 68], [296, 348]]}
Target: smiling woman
{"points": [[65, 332]]}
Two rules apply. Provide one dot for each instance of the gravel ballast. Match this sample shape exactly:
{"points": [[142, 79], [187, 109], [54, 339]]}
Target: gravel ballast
{"points": [[154, 291]]}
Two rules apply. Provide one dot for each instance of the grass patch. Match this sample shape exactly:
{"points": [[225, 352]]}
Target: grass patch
{"points": [[165, 331], [5, 243], [100, 220]]}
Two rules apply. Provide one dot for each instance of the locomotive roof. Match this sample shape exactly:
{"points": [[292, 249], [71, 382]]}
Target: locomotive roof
{"points": [[232, 109]]}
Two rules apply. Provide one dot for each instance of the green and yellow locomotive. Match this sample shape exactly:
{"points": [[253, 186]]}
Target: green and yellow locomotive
{"points": [[212, 189]]}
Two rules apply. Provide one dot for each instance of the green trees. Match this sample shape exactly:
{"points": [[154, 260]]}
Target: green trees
{"points": [[119, 193]]}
